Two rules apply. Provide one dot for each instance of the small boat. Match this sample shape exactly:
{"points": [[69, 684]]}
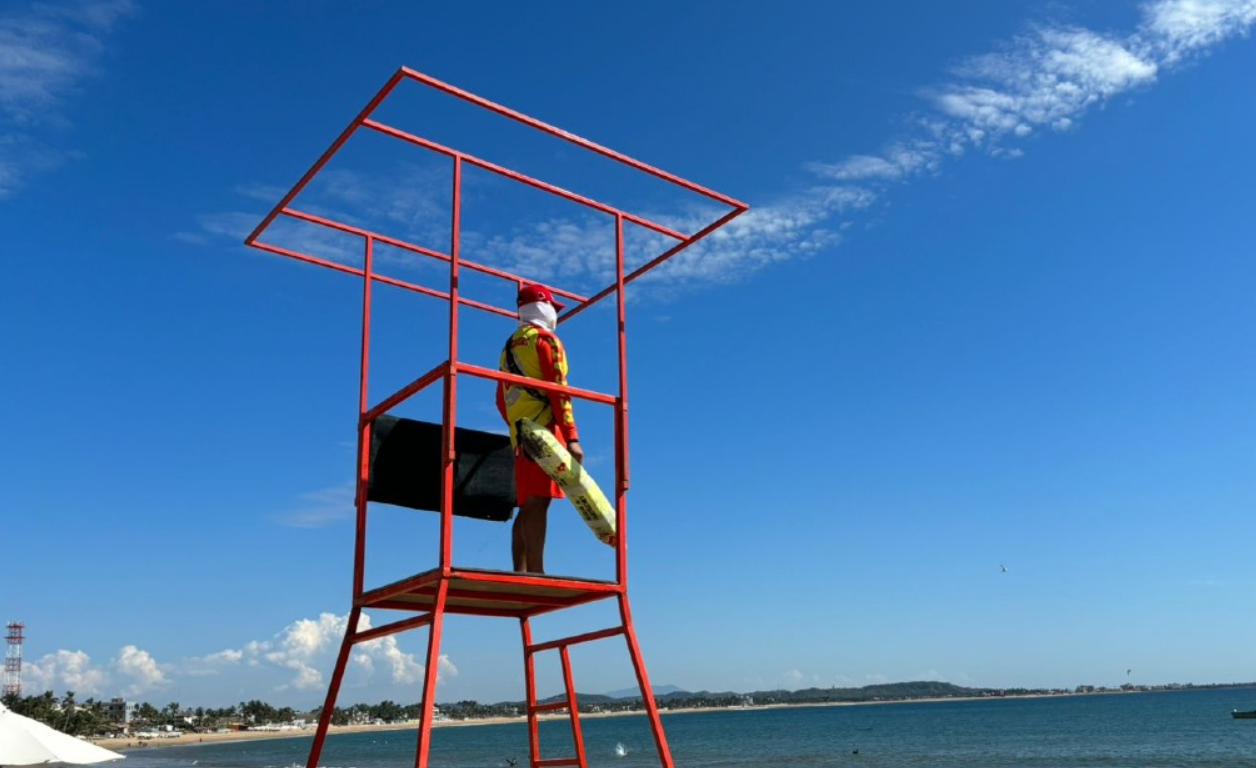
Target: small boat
{"points": [[1248, 715]]}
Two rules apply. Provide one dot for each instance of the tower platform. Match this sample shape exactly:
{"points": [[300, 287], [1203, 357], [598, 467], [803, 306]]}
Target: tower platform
{"points": [[482, 592]]}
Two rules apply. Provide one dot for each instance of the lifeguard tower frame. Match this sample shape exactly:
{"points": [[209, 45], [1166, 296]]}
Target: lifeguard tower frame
{"points": [[448, 588]]}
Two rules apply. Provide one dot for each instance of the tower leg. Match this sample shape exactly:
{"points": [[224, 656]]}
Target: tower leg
{"points": [[329, 704], [647, 693], [573, 708], [430, 673], [529, 682]]}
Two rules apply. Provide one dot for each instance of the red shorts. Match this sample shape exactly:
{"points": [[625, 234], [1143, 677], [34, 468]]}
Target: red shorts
{"points": [[531, 480]]}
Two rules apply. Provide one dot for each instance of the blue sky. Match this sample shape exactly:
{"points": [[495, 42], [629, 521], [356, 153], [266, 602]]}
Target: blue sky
{"points": [[991, 307]]}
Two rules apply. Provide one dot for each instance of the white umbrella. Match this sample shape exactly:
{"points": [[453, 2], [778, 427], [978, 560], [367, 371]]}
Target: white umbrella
{"points": [[24, 741]]}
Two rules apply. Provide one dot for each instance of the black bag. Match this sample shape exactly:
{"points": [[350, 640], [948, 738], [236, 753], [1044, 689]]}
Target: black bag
{"points": [[405, 469]]}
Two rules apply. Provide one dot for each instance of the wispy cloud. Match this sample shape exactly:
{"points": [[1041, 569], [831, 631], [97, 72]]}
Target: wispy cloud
{"points": [[46, 51], [321, 507], [1044, 80]]}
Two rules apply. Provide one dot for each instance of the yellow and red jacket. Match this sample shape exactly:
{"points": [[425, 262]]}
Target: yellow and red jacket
{"points": [[538, 354]]}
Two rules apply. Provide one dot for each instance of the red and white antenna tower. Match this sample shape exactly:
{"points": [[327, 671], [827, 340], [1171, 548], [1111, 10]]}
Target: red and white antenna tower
{"points": [[13, 659]]}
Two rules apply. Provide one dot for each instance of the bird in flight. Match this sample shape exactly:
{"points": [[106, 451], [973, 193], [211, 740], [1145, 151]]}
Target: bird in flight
{"points": [[1002, 569]]}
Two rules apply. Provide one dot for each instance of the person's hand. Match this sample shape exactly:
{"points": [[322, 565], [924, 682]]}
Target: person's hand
{"points": [[576, 451]]}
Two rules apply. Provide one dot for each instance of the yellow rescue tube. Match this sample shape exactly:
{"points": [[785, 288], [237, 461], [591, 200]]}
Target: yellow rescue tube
{"points": [[540, 445]]}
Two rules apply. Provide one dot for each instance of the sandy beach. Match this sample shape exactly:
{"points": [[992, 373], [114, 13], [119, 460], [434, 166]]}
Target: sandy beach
{"points": [[129, 743]]}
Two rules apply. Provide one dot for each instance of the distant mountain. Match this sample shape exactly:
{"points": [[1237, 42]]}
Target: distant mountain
{"points": [[635, 693], [673, 696]]}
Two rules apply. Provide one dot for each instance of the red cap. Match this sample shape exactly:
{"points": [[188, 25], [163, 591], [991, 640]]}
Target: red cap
{"points": [[531, 293]]}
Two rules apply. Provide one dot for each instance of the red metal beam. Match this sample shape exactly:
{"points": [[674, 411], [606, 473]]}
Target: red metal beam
{"points": [[327, 155], [388, 130], [498, 597], [564, 135], [575, 639], [401, 395], [548, 386], [392, 629], [418, 249], [364, 430], [307, 258], [592, 597], [573, 707], [537, 580], [651, 264], [467, 610], [397, 587]]}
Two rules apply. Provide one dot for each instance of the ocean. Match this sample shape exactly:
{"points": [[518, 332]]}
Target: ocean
{"points": [[1170, 729]]}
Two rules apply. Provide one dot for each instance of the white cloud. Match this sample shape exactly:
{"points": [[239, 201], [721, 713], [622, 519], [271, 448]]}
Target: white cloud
{"points": [[46, 52], [228, 656], [1048, 78], [322, 507], [140, 667], [302, 654], [306, 647], [1044, 80], [132, 673], [1176, 29], [64, 671]]}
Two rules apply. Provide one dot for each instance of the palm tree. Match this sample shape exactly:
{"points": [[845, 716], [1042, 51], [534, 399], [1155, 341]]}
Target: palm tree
{"points": [[67, 709]]}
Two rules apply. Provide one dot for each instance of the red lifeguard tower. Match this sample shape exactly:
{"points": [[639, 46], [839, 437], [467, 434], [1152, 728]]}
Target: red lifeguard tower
{"points": [[449, 589]]}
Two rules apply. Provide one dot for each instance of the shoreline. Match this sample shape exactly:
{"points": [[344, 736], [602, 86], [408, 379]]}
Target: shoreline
{"points": [[127, 744]]}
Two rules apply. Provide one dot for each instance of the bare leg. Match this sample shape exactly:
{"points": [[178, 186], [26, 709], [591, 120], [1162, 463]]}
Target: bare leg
{"points": [[527, 543]]}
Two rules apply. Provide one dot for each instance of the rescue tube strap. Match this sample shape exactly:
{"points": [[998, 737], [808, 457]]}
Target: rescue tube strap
{"points": [[514, 367]]}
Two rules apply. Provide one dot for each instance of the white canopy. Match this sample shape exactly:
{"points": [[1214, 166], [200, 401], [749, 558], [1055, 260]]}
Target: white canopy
{"points": [[24, 741]]}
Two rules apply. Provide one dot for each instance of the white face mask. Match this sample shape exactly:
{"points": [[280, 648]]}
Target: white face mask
{"points": [[539, 313]]}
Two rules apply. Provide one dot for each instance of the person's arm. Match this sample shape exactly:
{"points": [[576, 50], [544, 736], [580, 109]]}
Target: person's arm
{"points": [[560, 403]]}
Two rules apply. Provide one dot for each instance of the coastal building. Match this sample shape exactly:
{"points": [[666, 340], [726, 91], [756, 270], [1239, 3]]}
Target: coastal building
{"points": [[119, 710]]}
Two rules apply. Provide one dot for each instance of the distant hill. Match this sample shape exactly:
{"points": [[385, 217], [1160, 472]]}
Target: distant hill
{"points": [[674, 696], [635, 693], [924, 689]]}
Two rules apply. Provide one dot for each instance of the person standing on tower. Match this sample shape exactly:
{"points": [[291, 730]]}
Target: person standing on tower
{"points": [[534, 351]]}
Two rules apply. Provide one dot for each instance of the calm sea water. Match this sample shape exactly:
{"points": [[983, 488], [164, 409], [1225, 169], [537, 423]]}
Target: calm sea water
{"points": [[1186, 729]]}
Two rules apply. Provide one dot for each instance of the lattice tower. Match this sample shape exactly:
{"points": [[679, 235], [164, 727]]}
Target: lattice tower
{"points": [[13, 659]]}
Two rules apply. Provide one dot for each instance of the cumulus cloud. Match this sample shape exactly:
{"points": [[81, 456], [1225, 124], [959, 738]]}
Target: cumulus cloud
{"points": [[64, 671], [297, 658], [133, 672], [140, 668], [307, 647], [46, 52]]}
